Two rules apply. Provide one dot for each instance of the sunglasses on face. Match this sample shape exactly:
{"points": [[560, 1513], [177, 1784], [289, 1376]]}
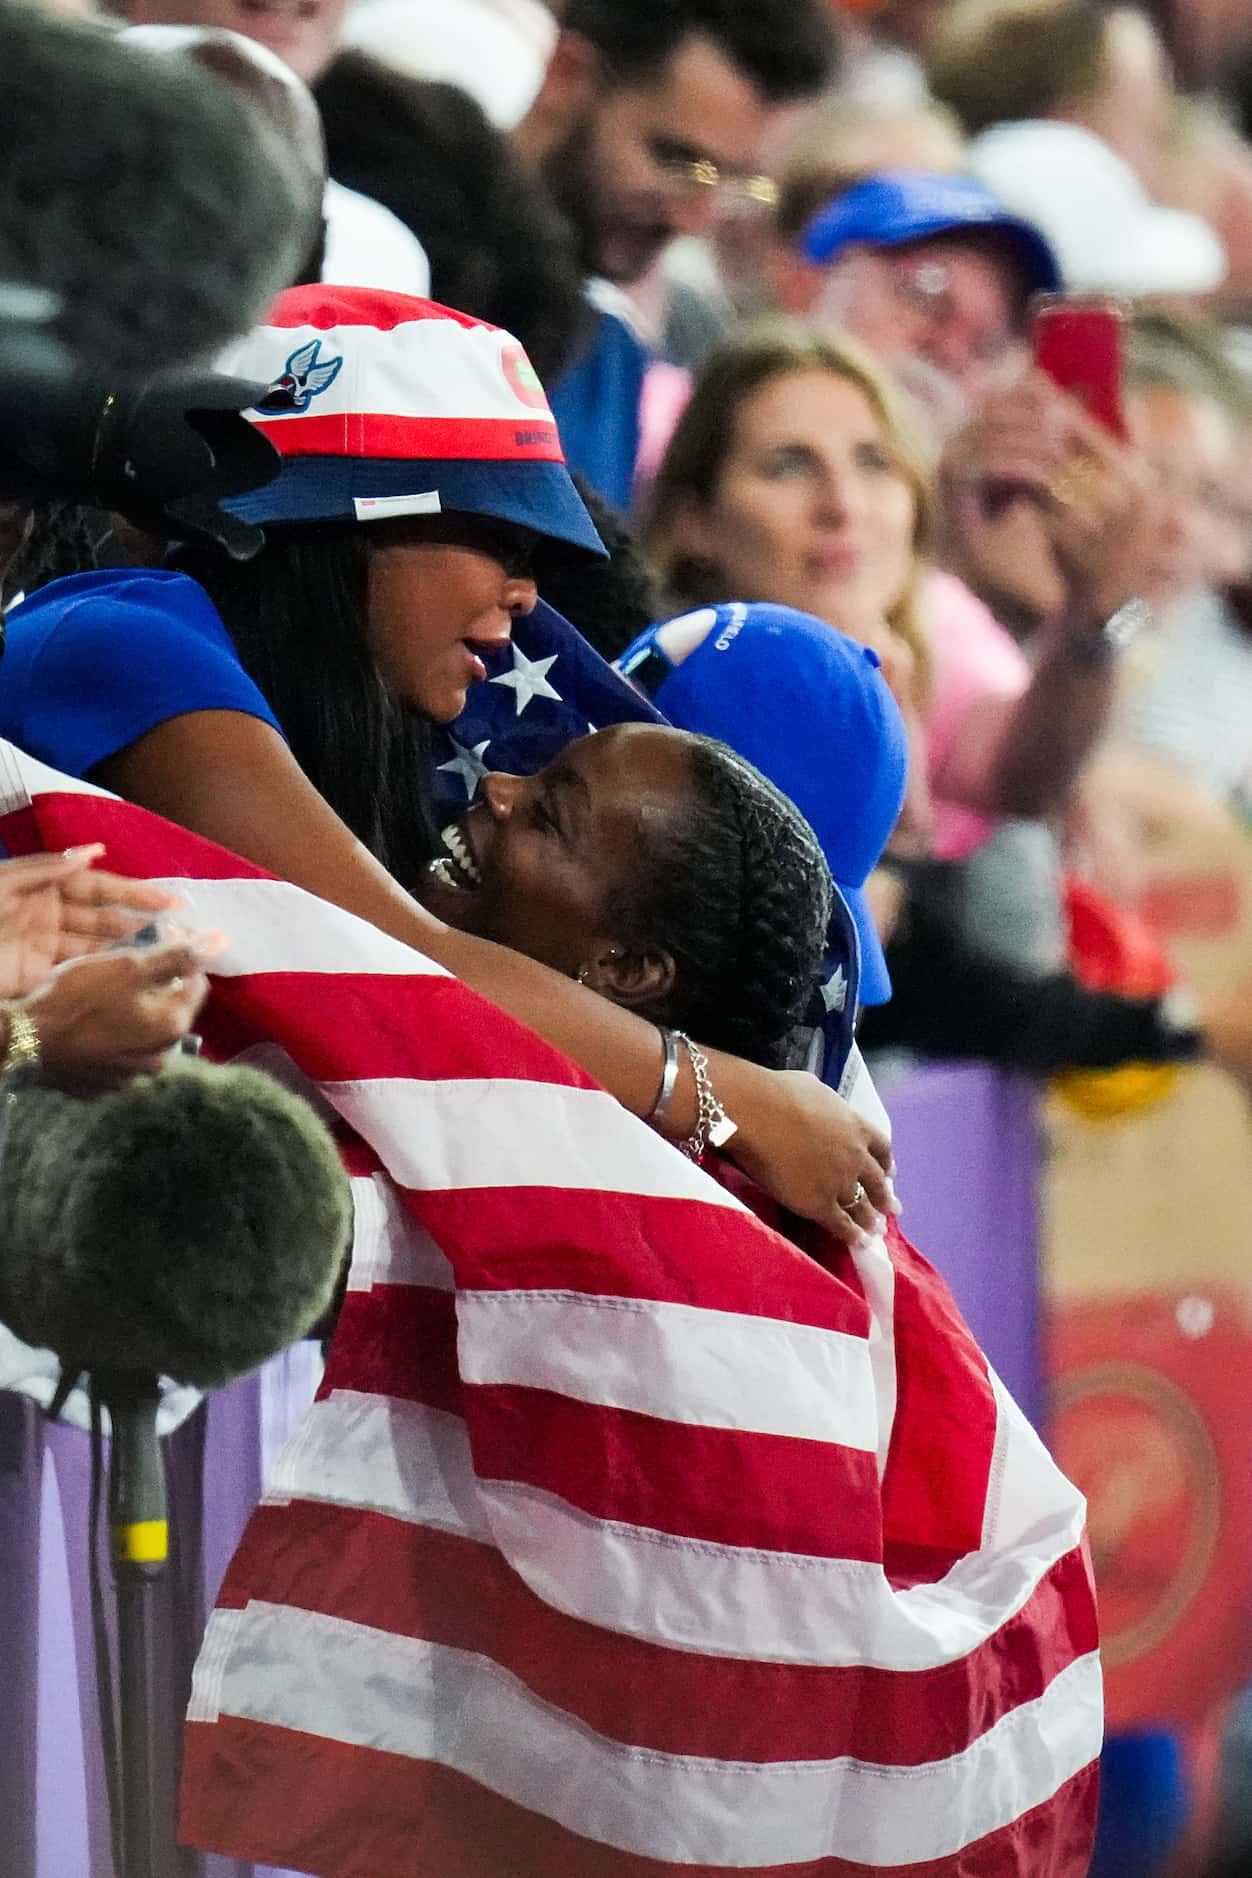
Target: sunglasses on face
{"points": [[515, 548]]}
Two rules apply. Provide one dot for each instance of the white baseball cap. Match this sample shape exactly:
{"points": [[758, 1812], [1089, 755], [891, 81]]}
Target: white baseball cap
{"points": [[1107, 234], [497, 50]]}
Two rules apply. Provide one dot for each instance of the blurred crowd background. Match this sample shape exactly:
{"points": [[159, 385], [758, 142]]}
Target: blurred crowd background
{"points": [[777, 262]]}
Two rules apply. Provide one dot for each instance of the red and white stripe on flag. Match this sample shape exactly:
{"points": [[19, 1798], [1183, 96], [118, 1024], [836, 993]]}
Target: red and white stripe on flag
{"points": [[623, 1538]]}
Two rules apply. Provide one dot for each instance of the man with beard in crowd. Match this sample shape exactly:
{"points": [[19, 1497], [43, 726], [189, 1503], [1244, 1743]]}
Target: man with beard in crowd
{"points": [[651, 115]]}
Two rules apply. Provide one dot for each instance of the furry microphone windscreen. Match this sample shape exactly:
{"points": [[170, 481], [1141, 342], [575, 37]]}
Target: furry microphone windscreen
{"points": [[144, 194], [190, 1224]]}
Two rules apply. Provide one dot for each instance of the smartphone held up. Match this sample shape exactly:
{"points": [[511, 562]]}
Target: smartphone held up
{"points": [[1080, 345]]}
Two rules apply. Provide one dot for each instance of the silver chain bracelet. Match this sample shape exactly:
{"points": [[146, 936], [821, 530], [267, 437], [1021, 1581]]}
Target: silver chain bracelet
{"points": [[714, 1127]]}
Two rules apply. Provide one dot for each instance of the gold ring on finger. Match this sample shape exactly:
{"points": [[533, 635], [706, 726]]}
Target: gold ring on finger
{"points": [[1066, 489], [1071, 483]]}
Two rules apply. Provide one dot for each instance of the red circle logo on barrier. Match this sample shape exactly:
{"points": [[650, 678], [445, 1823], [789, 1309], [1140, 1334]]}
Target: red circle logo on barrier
{"points": [[1149, 1418], [1139, 1450]]}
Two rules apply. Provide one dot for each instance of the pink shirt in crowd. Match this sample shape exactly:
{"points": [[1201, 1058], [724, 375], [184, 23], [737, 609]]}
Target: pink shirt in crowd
{"points": [[976, 663]]}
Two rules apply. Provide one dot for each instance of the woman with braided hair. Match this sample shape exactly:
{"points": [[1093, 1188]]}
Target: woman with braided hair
{"points": [[811, 708], [659, 869]]}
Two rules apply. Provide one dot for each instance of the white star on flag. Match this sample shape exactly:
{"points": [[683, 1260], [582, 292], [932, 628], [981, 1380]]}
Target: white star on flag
{"points": [[469, 766], [529, 679], [835, 991]]}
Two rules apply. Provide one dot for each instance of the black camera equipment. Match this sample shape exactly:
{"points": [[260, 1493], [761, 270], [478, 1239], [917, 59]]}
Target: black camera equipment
{"points": [[153, 205], [164, 452]]}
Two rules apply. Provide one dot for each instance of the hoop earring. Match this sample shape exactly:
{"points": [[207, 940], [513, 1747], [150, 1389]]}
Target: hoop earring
{"points": [[583, 974]]}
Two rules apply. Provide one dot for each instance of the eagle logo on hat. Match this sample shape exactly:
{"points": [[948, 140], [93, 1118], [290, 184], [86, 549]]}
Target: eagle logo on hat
{"points": [[304, 377]]}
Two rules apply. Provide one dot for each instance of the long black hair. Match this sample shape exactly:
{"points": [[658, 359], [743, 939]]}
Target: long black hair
{"points": [[297, 615], [497, 244], [739, 895]]}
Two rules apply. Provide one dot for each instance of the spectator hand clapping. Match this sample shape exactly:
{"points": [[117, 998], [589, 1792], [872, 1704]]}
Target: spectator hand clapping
{"points": [[100, 1013], [55, 907]]}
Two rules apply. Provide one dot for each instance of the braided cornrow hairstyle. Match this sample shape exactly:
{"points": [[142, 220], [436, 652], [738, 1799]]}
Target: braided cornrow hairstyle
{"points": [[739, 895]]}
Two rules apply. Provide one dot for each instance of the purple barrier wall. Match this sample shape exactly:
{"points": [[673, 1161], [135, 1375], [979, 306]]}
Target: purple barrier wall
{"points": [[966, 1149]]}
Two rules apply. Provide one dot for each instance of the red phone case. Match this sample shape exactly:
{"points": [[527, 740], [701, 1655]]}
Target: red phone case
{"points": [[1080, 345]]}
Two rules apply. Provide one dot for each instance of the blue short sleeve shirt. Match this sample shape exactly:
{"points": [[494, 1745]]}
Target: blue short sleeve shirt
{"points": [[93, 663]]}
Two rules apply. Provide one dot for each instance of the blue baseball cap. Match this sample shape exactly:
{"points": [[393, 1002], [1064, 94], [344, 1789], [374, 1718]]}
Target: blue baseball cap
{"points": [[811, 709], [893, 207]]}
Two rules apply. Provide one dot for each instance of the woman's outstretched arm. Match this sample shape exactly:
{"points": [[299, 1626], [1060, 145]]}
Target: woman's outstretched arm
{"points": [[231, 778]]}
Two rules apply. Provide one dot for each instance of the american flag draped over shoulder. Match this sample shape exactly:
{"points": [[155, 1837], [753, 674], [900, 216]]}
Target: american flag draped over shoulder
{"points": [[550, 686], [623, 1538]]}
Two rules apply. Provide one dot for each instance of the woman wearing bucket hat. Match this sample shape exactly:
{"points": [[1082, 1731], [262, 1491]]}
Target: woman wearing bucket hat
{"points": [[279, 706]]}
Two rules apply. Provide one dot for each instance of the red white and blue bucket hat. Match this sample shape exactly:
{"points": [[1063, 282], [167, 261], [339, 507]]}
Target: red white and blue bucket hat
{"points": [[382, 406]]}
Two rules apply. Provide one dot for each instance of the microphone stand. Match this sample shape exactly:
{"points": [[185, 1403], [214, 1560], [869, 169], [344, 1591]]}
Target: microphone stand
{"points": [[139, 1533]]}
